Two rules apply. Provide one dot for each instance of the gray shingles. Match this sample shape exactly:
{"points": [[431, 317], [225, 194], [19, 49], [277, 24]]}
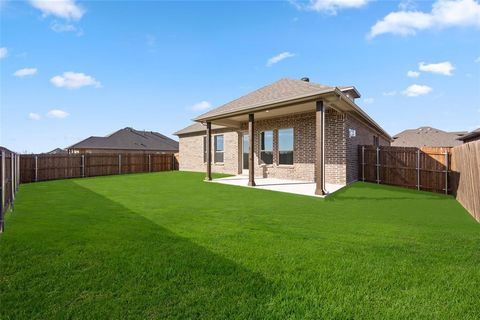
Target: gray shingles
{"points": [[129, 139], [281, 90], [426, 137]]}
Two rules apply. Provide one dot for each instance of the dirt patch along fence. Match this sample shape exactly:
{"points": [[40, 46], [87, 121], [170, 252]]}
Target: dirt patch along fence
{"points": [[52, 167], [453, 171], [9, 181], [465, 176]]}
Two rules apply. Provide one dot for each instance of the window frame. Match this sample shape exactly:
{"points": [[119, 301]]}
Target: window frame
{"points": [[279, 150], [215, 148], [262, 146]]}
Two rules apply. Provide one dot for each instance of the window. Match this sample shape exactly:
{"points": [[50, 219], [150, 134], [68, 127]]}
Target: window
{"points": [[375, 141], [204, 149], [218, 148], [285, 146], [266, 147]]}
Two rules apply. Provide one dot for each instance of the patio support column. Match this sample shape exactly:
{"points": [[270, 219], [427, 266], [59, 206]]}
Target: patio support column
{"points": [[319, 148], [251, 169], [209, 152]]}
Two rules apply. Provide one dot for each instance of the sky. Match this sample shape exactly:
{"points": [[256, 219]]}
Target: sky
{"points": [[72, 69]]}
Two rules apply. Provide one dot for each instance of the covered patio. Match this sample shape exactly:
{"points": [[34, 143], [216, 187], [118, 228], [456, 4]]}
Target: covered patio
{"points": [[305, 188]]}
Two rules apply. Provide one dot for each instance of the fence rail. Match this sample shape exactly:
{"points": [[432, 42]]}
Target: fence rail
{"points": [[51, 167], [9, 181]]}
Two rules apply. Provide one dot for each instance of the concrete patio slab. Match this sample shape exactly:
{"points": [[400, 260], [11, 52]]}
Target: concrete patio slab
{"points": [[281, 185]]}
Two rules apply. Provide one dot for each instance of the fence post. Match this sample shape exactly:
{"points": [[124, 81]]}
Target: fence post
{"points": [[2, 209], [12, 177], [119, 164], [363, 163], [149, 163], [446, 172], [83, 166], [418, 169], [18, 171], [36, 168], [172, 167], [378, 165]]}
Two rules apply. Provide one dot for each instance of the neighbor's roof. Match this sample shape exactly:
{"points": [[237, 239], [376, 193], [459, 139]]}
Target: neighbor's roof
{"points": [[129, 139], [470, 135], [426, 137], [196, 127], [279, 91], [57, 151]]}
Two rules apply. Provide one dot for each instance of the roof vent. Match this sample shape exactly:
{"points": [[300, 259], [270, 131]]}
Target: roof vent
{"points": [[306, 79]]}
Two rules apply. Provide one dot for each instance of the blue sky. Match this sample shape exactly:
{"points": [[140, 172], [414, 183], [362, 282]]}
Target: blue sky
{"points": [[72, 69]]}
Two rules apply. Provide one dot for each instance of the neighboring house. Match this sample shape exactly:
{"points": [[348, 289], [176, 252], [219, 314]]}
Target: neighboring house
{"points": [[57, 151], [127, 140], [298, 129], [427, 137], [471, 136], [7, 151]]}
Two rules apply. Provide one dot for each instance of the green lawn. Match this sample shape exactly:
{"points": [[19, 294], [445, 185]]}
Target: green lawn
{"points": [[168, 245]]}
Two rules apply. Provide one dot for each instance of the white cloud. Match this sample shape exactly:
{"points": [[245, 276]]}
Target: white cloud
{"points": [[416, 90], [444, 13], [368, 100], [3, 52], [444, 68], [390, 93], [329, 6], [202, 105], [413, 74], [74, 80], [279, 57], [34, 116], [25, 72], [65, 27], [66, 9], [57, 114]]}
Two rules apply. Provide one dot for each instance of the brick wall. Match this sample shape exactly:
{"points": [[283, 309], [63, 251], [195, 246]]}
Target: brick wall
{"points": [[191, 152], [364, 136]]}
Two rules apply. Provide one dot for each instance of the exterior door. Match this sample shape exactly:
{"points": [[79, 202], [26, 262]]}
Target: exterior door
{"points": [[245, 146]]}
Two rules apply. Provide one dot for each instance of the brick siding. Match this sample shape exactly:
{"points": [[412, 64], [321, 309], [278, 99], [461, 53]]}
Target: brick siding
{"points": [[341, 158]]}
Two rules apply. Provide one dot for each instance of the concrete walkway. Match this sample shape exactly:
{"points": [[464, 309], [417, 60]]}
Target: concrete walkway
{"points": [[282, 185]]}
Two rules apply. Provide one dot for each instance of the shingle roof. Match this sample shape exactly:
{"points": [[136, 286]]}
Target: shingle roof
{"points": [[472, 134], [426, 137], [129, 139], [278, 91], [57, 151], [196, 127]]}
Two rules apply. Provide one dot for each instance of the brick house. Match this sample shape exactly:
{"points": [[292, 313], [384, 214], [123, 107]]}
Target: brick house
{"points": [[290, 129]]}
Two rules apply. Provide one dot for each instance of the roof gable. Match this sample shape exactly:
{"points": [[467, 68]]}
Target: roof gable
{"points": [[281, 90]]}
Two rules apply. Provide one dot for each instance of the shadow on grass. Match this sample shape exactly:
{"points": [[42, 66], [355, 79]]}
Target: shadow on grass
{"points": [[371, 191], [89, 257]]}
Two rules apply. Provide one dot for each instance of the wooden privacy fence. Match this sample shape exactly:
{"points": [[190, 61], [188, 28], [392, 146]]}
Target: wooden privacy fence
{"points": [[51, 167], [465, 176], [9, 181], [453, 171], [421, 169]]}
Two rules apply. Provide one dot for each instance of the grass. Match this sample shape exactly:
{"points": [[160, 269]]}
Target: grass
{"points": [[168, 245]]}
